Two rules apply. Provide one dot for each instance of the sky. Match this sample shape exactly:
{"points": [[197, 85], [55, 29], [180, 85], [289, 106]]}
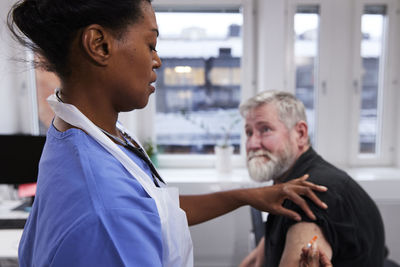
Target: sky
{"points": [[216, 24]]}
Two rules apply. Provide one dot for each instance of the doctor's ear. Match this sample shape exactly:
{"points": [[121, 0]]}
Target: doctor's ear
{"points": [[97, 43]]}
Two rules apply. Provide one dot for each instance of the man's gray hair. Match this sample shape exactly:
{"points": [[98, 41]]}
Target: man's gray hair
{"points": [[290, 109]]}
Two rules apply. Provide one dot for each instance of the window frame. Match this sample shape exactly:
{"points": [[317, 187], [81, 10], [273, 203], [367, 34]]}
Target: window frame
{"points": [[146, 131], [384, 155], [32, 94], [265, 65], [331, 127], [290, 60]]}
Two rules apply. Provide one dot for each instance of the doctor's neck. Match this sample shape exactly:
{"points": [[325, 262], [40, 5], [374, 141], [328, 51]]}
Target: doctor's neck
{"points": [[98, 112]]}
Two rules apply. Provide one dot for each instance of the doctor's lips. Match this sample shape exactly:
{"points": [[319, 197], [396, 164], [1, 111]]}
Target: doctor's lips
{"points": [[152, 85]]}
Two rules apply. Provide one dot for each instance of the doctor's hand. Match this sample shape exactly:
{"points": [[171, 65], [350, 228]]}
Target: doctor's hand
{"points": [[204, 207], [314, 257], [270, 198]]}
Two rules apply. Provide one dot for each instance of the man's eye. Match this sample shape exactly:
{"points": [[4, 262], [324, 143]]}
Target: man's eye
{"points": [[249, 133], [265, 129]]}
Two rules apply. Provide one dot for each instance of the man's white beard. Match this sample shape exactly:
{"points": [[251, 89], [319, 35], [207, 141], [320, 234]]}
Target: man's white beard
{"points": [[262, 171]]}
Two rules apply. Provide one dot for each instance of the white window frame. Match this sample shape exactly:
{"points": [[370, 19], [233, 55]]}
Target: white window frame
{"points": [[31, 103], [337, 106], [145, 131], [385, 154], [265, 65], [320, 82]]}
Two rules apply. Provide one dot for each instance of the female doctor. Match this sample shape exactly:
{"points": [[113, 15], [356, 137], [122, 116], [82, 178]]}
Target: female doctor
{"points": [[99, 201]]}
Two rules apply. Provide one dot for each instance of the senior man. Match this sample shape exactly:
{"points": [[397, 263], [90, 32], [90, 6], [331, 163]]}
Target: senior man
{"points": [[349, 233]]}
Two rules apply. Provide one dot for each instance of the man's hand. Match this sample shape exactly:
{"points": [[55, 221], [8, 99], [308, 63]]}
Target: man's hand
{"points": [[271, 198], [313, 257]]}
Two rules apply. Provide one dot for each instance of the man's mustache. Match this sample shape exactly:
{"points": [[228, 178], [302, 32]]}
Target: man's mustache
{"points": [[259, 153]]}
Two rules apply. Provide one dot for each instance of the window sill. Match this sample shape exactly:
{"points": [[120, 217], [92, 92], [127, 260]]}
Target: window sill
{"points": [[380, 183], [204, 175]]}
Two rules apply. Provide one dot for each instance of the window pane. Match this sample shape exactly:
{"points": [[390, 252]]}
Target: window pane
{"points": [[198, 85], [306, 25], [183, 75], [372, 27]]}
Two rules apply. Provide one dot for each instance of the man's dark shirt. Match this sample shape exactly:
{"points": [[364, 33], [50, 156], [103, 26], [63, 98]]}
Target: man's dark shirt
{"points": [[352, 223]]}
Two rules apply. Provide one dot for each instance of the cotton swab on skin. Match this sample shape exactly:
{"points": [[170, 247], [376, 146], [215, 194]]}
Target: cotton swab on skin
{"points": [[311, 241]]}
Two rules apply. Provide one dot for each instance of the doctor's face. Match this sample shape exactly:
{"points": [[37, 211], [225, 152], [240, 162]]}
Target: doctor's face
{"points": [[135, 62], [270, 145]]}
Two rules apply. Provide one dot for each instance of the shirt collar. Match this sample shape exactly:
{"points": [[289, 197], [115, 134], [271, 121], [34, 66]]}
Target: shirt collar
{"points": [[301, 165]]}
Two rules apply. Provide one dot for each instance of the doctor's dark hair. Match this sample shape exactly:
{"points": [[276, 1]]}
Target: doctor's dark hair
{"points": [[48, 27]]}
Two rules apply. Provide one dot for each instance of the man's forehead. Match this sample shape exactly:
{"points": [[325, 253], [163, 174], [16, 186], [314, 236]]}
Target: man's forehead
{"points": [[264, 111]]}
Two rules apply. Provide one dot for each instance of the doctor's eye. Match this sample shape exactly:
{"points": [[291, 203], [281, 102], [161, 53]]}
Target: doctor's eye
{"points": [[152, 48]]}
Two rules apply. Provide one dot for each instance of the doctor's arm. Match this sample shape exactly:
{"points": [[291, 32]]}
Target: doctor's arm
{"points": [[201, 208]]}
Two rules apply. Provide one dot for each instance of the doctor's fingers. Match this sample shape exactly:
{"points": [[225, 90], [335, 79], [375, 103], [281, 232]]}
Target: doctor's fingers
{"points": [[288, 213], [307, 190], [303, 181], [294, 193], [324, 260], [310, 257], [313, 256]]}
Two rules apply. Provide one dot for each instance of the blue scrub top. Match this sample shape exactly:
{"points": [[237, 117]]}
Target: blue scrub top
{"points": [[88, 209]]}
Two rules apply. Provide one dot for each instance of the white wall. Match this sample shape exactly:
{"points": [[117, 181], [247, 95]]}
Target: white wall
{"points": [[271, 45], [8, 104], [332, 133], [222, 242], [15, 92], [397, 96]]}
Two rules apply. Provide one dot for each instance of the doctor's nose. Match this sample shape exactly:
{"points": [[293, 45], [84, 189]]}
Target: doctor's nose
{"points": [[156, 61]]}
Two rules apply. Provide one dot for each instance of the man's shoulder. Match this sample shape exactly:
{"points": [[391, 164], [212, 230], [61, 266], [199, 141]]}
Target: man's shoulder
{"points": [[342, 189], [350, 223], [324, 173]]}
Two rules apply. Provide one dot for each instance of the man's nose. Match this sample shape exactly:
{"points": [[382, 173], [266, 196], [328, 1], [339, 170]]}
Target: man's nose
{"points": [[253, 142]]}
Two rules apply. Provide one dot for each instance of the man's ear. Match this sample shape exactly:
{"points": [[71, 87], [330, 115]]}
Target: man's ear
{"points": [[302, 137], [97, 43]]}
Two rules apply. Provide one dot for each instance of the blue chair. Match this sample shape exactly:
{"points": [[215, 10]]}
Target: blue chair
{"points": [[257, 224]]}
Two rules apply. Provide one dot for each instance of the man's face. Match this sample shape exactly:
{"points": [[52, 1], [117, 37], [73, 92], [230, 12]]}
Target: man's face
{"points": [[270, 145]]}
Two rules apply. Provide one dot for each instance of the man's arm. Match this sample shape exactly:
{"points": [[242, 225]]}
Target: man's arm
{"points": [[256, 258], [299, 235], [201, 208]]}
